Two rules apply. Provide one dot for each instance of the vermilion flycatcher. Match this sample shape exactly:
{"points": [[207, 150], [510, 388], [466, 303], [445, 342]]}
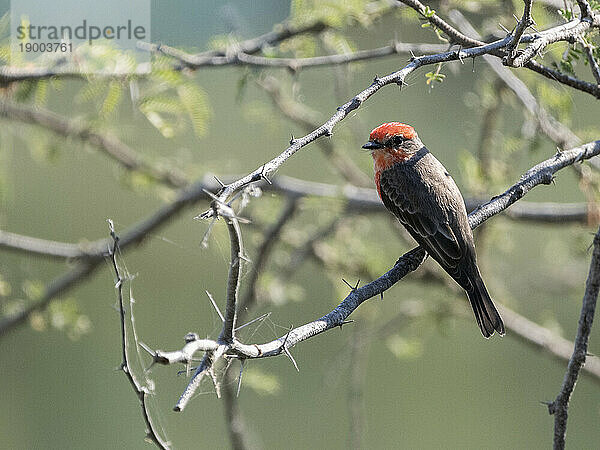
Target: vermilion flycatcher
{"points": [[418, 190]]}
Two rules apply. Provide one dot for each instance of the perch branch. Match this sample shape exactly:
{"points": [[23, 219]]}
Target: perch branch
{"points": [[560, 406]]}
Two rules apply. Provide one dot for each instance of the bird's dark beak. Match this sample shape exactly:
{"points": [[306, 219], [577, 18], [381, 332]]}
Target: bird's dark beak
{"points": [[372, 145]]}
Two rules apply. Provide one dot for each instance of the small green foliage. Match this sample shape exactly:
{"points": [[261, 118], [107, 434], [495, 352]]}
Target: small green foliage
{"points": [[337, 14], [221, 41], [25, 90], [165, 110], [241, 86], [64, 316], [112, 98], [277, 291], [566, 14], [471, 169], [301, 46], [337, 42], [434, 77], [195, 103], [428, 12]]}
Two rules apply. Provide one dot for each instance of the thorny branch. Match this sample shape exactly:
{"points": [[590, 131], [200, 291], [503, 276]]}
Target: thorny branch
{"points": [[592, 61], [566, 32], [560, 406], [141, 391], [539, 174], [525, 22], [326, 129], [235, 272]]}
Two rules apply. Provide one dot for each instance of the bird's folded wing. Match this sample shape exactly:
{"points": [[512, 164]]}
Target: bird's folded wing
{"points": [[426, 222]]}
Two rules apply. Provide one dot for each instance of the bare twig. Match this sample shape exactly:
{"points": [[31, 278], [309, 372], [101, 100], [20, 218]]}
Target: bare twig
{"points": [[568, 31], [592, 61], [241, 58], [250, 46], [41, 247], [227, 335], [142, 392], [10, 74], [233, 280], [560, 406], [525, 22]]}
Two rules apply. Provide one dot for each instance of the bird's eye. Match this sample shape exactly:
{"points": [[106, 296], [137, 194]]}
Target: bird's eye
{"points": [[398, 140]]}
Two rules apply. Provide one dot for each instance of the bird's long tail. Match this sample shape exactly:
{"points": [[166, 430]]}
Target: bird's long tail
{"points": [[487, 315]]}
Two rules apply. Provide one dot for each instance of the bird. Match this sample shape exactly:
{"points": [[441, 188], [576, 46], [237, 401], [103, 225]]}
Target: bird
{"points": [[415, 187]]}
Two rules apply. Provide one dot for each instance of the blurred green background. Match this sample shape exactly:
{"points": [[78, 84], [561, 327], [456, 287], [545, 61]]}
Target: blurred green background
{"points": [[435, 384]]}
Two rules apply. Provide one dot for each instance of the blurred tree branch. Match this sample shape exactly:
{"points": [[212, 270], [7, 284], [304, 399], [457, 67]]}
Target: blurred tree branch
{"points": [[106, 142]]}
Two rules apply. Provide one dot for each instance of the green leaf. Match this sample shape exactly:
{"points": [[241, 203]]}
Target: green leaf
{"points": [[112, 99], [195, 103]]}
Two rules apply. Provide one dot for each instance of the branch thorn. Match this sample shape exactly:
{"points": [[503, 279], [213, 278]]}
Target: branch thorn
{"points": [[264, 176], [344, 322], [219, 181], [504, 28], [286, 351], [352, 288], [237, 394], [212, 300]]}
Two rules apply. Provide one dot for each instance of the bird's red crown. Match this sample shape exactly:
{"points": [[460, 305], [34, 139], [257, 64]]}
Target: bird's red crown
{"points": [[384, 131]]}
